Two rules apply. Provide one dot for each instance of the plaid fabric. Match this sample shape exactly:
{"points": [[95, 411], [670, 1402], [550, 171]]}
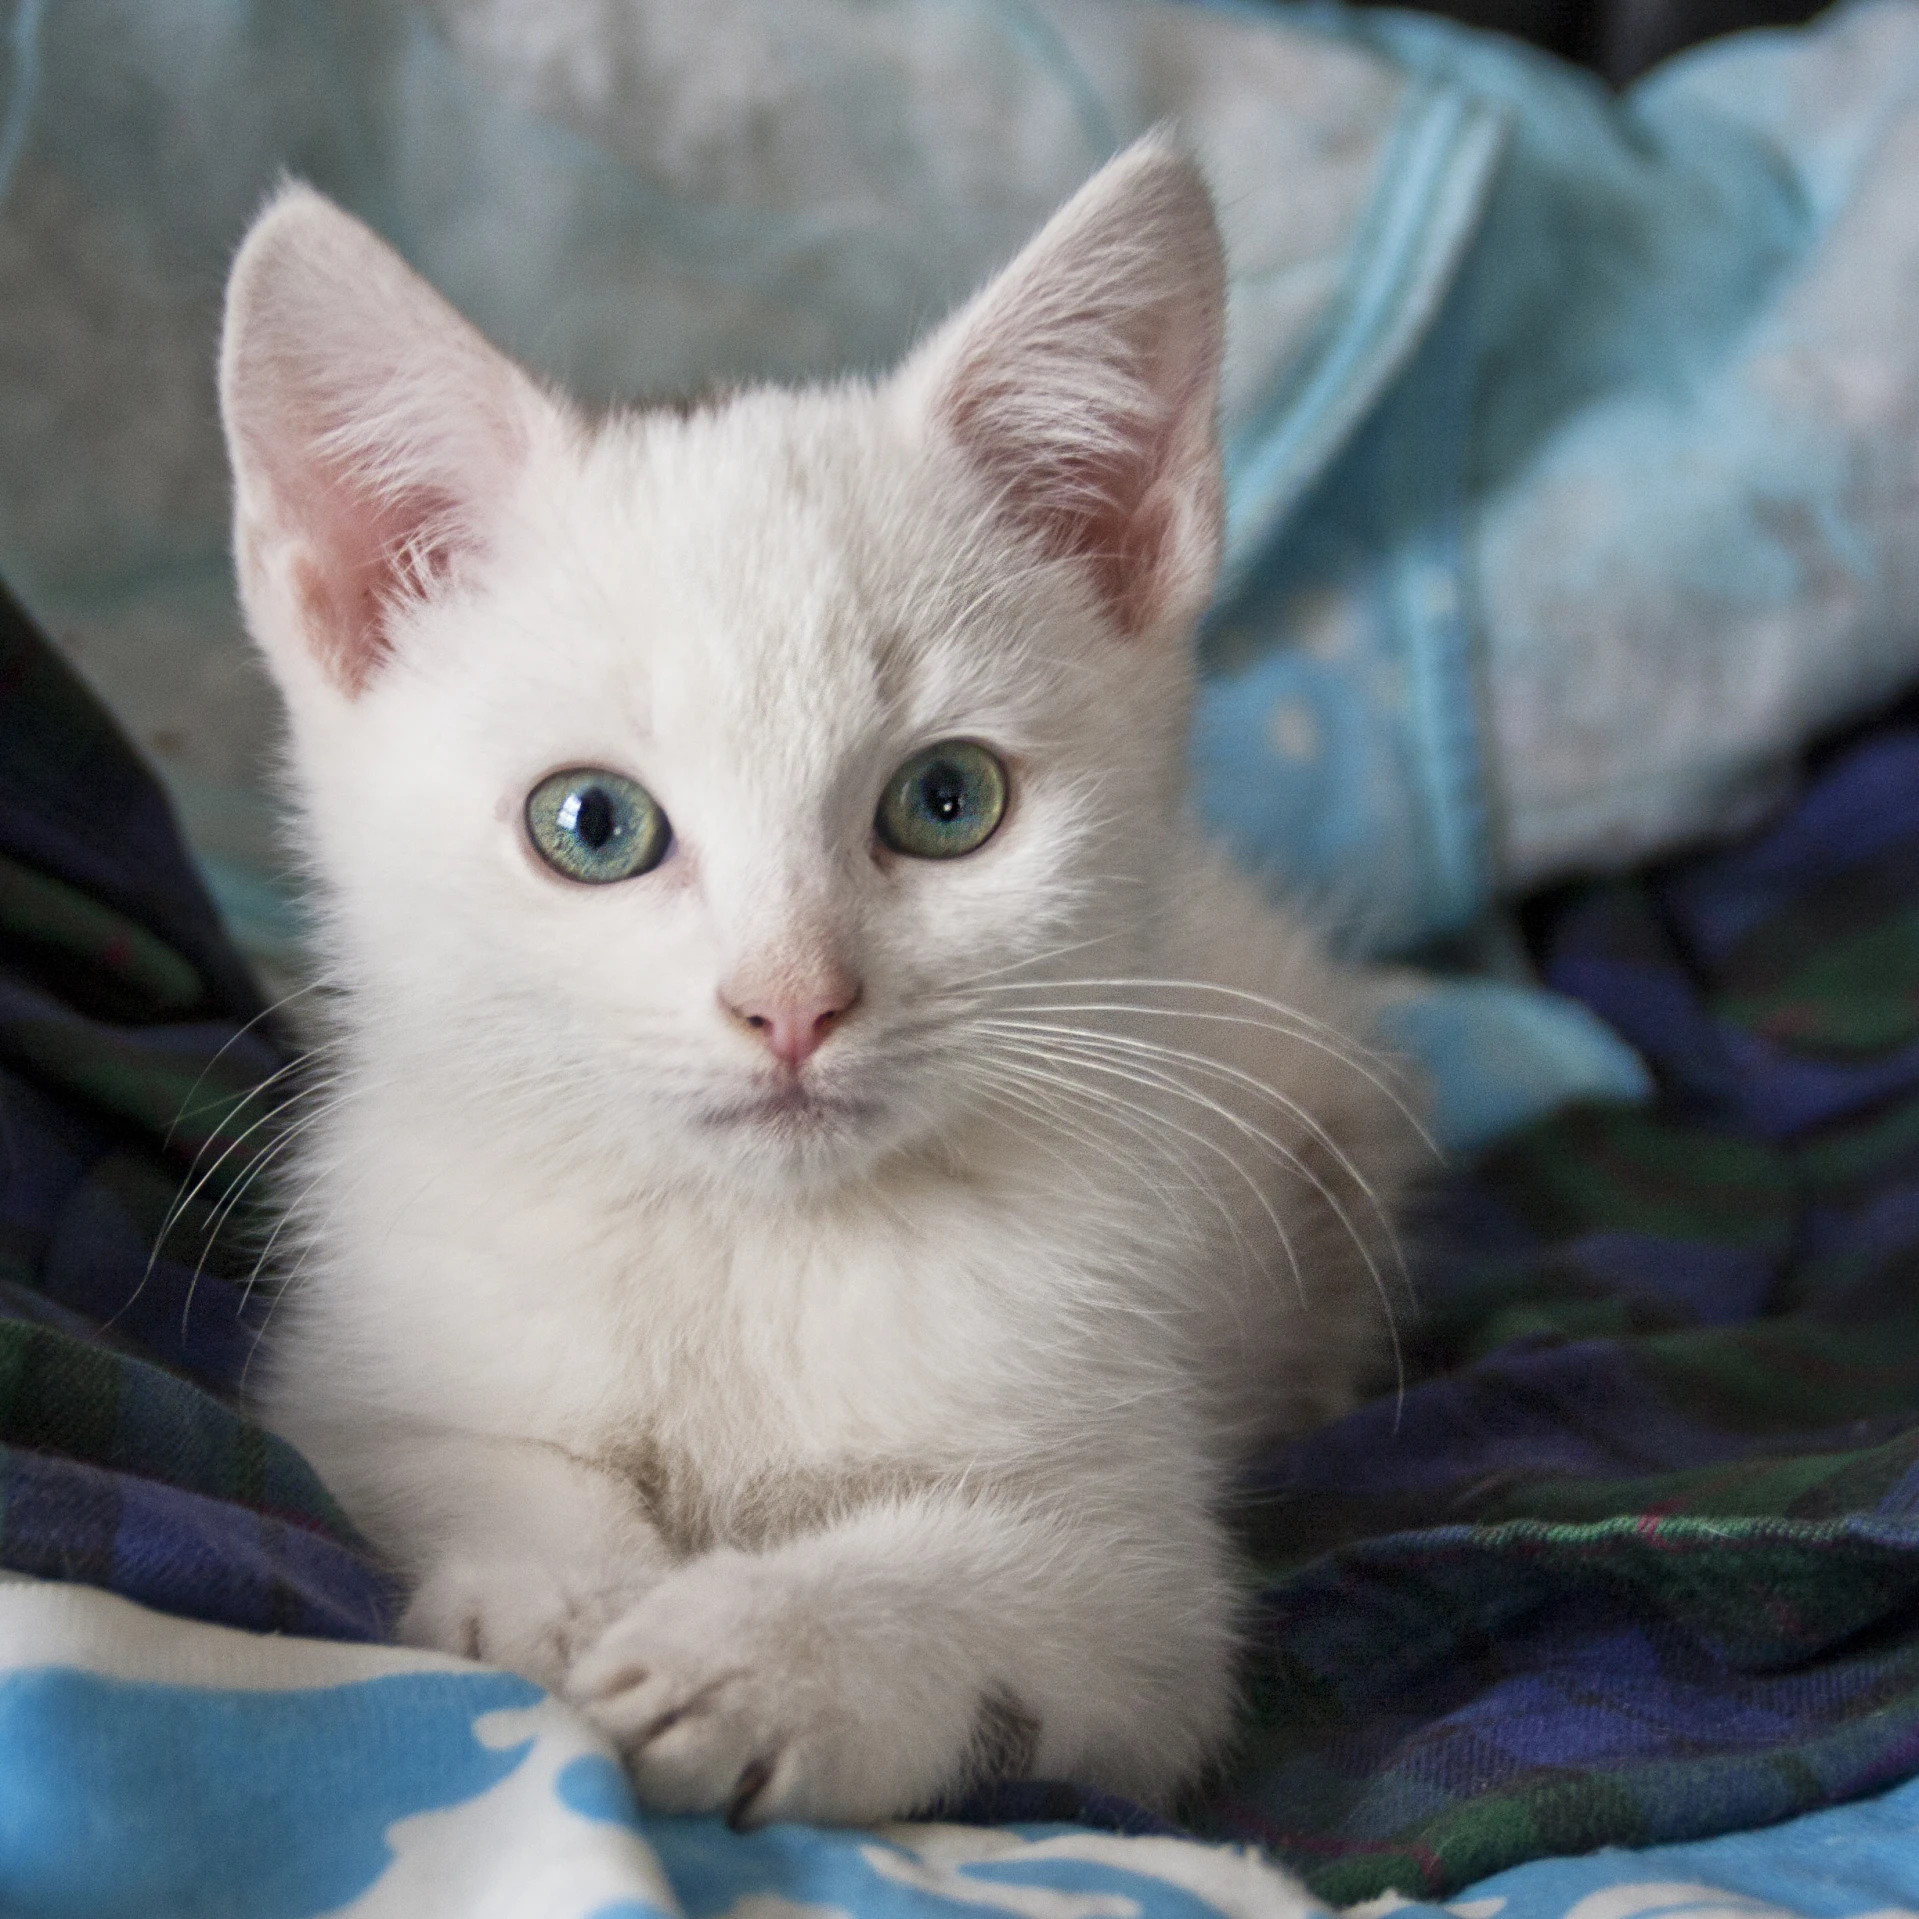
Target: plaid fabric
{"points": [[138, 1082], [1636, 1558]]}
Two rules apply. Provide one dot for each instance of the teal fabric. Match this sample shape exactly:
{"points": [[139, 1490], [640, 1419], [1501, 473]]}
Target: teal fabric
{"points": [[1631, 524], [1500, 1056]]}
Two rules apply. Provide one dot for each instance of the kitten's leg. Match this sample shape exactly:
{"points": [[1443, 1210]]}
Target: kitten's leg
{"points": [[913, 1649], [516, 1552]]}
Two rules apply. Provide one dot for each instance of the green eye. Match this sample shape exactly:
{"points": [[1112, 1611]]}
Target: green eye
{"points": [[595, 827], [943, 802]]}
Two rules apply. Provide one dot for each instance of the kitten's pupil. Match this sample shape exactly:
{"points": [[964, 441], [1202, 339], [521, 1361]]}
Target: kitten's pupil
{"points": [[594, 821], [943, 792]]}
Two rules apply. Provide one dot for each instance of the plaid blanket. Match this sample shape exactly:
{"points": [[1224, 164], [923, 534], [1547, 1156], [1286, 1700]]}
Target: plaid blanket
{"points": [[138, 1075], [1634, 1557]]}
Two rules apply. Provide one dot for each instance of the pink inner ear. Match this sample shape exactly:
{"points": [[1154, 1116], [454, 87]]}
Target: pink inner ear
{"points": [[1123, 481], [1083, 384], [368, 527], [1110, 461], [376, 436], [360, 552]]}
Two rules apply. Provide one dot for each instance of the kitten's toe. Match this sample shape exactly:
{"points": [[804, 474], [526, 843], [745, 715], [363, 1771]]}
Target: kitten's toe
{"points": [[717, 1761], [694, 1740], [641, 1705], [517, 1614]]}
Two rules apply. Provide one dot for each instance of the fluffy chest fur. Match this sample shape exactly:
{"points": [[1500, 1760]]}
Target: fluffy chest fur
{"points": [[559, 1306]]}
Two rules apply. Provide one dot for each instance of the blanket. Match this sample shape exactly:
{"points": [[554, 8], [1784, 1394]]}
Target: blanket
{"points": [[1635, 1555]]}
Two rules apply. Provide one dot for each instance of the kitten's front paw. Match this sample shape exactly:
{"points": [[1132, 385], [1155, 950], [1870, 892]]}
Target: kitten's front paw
{"points": [[522, 1614], [730, 1690]]}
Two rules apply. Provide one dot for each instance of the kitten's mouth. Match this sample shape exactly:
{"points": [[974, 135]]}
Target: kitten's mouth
{"points": [[793, 1107]]}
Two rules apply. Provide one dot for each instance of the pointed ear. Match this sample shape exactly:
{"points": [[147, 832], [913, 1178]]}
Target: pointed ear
{"points": [[1083, 384], [374, 436]]}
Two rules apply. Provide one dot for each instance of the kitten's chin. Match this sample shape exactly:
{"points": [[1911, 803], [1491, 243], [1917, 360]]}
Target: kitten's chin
{"points": [[792, 1110], [793, 1133]]}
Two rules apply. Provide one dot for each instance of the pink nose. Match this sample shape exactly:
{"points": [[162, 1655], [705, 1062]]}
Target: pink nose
{"points": [[795, 1026]]}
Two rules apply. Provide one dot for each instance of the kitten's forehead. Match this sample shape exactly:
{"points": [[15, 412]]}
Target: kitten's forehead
{"points": [[778, 583]]}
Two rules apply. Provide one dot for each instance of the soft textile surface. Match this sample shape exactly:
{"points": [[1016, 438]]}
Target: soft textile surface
{"points": [[181, 1771], [1636, 1556], [1859, 1861], [1633, 520], [131, 1042]]}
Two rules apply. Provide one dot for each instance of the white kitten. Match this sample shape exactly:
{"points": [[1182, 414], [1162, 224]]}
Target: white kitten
{"points": [[825, 1172]]}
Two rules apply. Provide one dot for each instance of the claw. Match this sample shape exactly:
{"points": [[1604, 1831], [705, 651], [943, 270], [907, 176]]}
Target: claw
{"points": [[753, 1781], [625, 1680], [664, 1723]]}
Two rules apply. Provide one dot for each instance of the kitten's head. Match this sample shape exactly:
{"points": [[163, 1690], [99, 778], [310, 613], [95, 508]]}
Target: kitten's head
{"points": [[683, 784]]}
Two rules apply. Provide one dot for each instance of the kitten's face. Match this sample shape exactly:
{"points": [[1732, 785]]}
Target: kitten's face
{"points": [[747, 620]]}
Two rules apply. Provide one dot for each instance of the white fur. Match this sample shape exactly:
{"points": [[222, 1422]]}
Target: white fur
{"points": [[836, 1459]]}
